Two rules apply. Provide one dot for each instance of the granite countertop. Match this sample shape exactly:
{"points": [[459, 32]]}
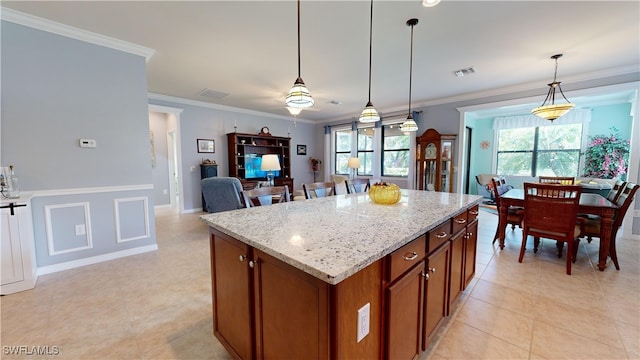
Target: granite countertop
{"points": [[332, 238]]}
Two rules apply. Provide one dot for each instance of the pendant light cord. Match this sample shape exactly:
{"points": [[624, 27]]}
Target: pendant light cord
{"points": [[298, 38], [410, 68], [370, 46]]}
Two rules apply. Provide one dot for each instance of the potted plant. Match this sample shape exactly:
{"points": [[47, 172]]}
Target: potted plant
{"points": [[607, 156]]}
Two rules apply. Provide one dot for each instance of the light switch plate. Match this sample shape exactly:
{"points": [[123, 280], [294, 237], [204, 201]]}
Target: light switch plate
{"points": [[87, 143]]}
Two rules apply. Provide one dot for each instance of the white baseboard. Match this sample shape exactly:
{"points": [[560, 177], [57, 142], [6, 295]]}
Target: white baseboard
{"points": [[95, 259]]}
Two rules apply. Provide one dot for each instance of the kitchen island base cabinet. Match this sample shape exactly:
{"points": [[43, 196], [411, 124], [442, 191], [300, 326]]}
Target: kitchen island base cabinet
{"points": [[264, 308], [436, 293]]}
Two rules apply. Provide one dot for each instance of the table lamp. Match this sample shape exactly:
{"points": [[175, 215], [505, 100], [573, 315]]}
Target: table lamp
{"points": [[353, 164], [270, 162]]}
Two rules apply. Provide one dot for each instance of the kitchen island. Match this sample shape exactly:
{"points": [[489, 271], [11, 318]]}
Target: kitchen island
{"points": [[340, 277]]}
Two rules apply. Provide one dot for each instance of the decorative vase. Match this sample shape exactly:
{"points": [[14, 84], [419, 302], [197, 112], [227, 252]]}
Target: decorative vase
{"points": [[384, 193]]}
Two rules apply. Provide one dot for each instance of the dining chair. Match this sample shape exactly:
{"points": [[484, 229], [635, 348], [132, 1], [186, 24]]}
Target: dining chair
{"points": [[319, 189], [514, 214], [357, 185], [265, 196], [563, 180], [593, 223], [616, 190], [551, 212]]}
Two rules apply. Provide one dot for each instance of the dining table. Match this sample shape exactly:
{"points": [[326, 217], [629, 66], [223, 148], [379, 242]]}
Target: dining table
{"points": [[590, 204]]}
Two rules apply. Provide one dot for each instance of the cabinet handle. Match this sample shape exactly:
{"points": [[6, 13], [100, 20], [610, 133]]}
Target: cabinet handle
{"points": [[461, 221], [243, 258], [473, 212], [412, 257], [442, 235], [432, 270], [425, 275], [252, 264], [469, 234]]}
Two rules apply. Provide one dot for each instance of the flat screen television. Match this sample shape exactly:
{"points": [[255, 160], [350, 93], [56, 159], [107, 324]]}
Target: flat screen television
{"points": [[252, 163]]}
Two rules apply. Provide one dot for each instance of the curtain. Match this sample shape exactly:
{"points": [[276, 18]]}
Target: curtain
{"points": [[576, 116]]}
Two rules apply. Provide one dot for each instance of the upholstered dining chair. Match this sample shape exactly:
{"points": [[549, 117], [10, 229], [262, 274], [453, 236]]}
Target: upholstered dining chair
{"points": [[221, 193], [616, 190], [563, 180], [266, 196], [551, 212], [319, 189], [357, 185], [593, 223]]}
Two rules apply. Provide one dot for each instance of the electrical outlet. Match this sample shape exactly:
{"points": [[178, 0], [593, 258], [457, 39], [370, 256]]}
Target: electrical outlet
{"points": [[363, 321]]}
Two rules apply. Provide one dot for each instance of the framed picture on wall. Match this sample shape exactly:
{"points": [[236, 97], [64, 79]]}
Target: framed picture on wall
{"points": [[302, 149], [206, 146]]}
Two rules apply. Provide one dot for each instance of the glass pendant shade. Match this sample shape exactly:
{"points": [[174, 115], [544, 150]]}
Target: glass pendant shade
{"points": [[409, 125], [549, 110], [369, 114], [299, 96], [294, 111], [430, 3]]}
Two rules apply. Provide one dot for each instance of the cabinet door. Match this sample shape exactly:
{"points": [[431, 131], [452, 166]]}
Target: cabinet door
{"points": [[457, 267], [303, 315], [437, 289], [404, 300], [232, 313], [471, 244], [12, 266]]}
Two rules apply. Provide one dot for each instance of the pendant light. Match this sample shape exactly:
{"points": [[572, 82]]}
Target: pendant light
{"points": [[410, 124], [553, 111], [370, 114], [299, 96]]}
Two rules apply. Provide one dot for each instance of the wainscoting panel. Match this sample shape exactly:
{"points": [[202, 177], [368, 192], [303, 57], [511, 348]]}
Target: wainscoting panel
{"points": [[68, 228], [132, 218]]}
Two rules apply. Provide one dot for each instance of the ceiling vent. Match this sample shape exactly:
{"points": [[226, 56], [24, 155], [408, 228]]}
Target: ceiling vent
{"points": [[213, 94], [463, 72]]}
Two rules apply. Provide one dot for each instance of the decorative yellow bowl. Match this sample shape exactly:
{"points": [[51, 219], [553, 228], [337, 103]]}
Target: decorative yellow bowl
{"points": [[384, 193]]}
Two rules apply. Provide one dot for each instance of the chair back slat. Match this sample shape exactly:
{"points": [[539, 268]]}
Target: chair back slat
{"points": [[319, 189], [563, 180], [624, 201], [265, 195], [357, 185], [616, 190]]}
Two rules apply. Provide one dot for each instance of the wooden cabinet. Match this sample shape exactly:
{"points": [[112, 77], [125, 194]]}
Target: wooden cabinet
{"points": [[404, 298], [265, 308], [436, 290], [434, 161], [18, 260], [463, 252], [245, 151]]}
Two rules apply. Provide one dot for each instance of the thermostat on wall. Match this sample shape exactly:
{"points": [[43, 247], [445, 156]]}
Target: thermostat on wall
{"points": [[88, 143]]}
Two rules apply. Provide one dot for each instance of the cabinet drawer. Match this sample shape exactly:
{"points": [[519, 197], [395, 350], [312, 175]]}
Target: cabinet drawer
{"points": [[472, 214], [459, 222], [404, 258], [438, 236]]}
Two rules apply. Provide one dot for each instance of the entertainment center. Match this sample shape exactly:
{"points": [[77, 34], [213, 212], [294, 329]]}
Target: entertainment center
{"points": [[245, 157]]}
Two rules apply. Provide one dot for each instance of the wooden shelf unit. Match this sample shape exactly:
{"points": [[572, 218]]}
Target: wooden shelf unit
{"points": [[241, 145]]}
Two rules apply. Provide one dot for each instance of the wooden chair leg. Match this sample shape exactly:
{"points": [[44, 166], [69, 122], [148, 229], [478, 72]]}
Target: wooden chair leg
{"points": [[536, 244], [576, 246], [560, 246], [612, 249], [523, 246], [569, 256]]}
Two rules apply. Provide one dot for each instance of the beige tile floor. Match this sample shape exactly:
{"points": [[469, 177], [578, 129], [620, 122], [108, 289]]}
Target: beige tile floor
{"points": [[158, 305]]}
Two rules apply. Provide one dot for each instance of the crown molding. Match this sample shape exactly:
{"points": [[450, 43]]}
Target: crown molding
{"points": [[35, 22], [179, 100]]}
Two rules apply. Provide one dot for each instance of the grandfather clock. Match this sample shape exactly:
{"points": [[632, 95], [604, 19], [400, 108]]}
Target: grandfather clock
{"points": [[434, 161]]}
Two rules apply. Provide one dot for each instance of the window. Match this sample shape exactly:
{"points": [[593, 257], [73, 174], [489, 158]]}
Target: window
{"points": [[395, 151], [343, 151], [536, 151], [365, 150]]}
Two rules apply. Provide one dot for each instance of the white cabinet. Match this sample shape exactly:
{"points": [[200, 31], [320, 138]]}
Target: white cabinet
{"points": [[17, 264]]}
